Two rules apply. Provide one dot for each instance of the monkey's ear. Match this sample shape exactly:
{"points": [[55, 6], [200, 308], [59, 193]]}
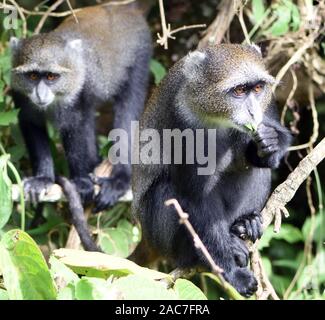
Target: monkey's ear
{"points": [[75, 45], [193, 64], [14, 43]]}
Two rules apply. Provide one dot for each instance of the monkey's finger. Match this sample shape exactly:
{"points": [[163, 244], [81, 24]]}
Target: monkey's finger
{"points": [[254, 230], [248, 228]]}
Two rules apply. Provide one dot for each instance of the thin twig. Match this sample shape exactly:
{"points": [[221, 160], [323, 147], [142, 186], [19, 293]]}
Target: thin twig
{"points": [[314, 114], [53, 7], [291, 94], [217, 271], [167, 33], [243, 25], [197, 241]]}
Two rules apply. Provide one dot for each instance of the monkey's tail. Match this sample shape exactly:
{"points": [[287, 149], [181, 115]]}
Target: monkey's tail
{"points": [[77, 213]]}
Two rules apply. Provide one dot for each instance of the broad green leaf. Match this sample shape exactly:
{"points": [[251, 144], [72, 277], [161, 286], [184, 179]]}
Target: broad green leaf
{"points": [[6, 204], [8, 117], [258, 9], [186, 290], [315, 272], [281, 25], [96, 264], [158, 70], [60, 270], [280, 283], [25, 272], [319, 228], [67, 293], [94, 289], [287, 233], [136, 287], [285, 263], [114, 242], [4, 295]]}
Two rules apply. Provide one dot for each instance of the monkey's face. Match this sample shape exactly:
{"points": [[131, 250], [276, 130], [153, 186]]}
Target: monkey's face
{"points": [[228, 85], [46, 71]]}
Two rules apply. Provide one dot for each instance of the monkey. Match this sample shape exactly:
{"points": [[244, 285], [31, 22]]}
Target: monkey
{"points": [[221, 89], [63, 75]]}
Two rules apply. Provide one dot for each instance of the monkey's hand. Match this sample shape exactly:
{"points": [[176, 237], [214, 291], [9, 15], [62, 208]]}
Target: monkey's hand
{"points": [[243, 280], [34, 187], [267, 140], [85, 188], [248, 227], [240, 251], [111, 189]]}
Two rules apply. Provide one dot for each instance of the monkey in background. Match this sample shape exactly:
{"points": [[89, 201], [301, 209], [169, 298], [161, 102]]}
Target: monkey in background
{"points": [[63, 75], [225, 88]]}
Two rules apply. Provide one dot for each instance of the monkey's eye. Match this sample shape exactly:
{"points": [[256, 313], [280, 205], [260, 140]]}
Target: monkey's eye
{"points": [[33, 76], [240, 90], [51, 76], [258, 88]]}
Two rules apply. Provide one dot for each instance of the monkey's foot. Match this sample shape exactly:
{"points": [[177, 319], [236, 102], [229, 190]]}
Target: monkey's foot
{"points": [[267, 140], [34, 187], [248, 227], [240, 251], [85, 188], [243, 280], [111, 189]]}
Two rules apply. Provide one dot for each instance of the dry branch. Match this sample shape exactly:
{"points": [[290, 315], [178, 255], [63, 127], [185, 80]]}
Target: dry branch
{"points": [[217, 271], [218, 28], [274, 208]]}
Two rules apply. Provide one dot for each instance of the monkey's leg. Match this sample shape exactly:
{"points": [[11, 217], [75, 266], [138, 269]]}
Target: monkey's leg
{"points": [[128, 107], [36, 139], [161, 225], [79, 141]]}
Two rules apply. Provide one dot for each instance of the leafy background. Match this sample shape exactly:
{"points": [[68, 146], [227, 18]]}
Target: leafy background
{"points": [[32, 267]]}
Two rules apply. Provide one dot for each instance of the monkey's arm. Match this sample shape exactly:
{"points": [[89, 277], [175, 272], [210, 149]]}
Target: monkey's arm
{"points": [[270, 143], [33, 128]]}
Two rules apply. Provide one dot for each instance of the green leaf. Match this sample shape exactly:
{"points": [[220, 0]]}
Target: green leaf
{"points": [[6, 204], [186, 290], [258, 9], [251, 127], [158, 70], [114, 242], [287, 233], [137, 287], [295, 18], [319, 227], [60, 270], [119, 241], [8, 117], [94, 289], [25, 272], [96, 264], [4, 295], [281, 25], [67, 293]]}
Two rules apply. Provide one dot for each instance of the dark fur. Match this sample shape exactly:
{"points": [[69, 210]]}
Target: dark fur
{"points": [[221, 213], [119, 75]]}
